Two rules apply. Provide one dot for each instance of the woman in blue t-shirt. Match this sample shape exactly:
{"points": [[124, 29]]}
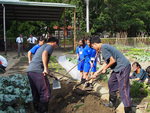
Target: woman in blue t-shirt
{"points": [[90, 62], [80, 57], [139, 74]]}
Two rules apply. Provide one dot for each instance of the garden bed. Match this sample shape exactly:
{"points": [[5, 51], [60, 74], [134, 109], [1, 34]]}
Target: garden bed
{"points": [[69, 100], [64, 100]]}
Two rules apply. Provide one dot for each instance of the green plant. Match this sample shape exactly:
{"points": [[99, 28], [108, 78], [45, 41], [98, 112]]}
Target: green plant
{"points": [[15, 93], [139, 89], [73, 60], [53, 65], [53, 59], [148, 107]]}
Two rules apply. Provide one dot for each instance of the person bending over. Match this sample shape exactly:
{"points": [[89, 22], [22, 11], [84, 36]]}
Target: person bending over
{"points": [[119, 79], [37, 72]]}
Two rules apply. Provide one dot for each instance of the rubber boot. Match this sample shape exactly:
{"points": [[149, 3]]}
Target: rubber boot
{"points": [[112, 100], [43, 107], [127, 109]]}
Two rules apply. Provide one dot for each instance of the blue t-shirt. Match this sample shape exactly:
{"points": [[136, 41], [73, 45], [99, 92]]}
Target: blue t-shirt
{"points": [[110, 51], [34, 49], [79, 51], [88, 53], [142, 75], [36, 64]]}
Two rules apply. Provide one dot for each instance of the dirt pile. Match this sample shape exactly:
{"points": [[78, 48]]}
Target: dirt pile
{"points": [[67, 100]]}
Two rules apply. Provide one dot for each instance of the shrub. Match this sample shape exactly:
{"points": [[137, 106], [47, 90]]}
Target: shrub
{"points": [[139, 89]]}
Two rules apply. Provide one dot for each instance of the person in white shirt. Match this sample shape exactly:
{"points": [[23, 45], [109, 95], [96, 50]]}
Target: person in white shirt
{"points": [[32, 41], [19, 41], [3, 63]]}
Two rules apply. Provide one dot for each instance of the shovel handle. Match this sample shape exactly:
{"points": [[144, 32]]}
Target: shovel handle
{"points": [[87, 81], [53, 77], [74, 67]]}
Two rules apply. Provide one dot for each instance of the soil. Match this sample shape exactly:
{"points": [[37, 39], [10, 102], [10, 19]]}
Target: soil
{"points": [[69, 100]]}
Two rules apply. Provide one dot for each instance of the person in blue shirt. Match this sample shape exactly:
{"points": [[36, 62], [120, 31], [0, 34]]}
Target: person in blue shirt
{"points": [[33, 50], [139, 74], [80, 57], [90, 62]]}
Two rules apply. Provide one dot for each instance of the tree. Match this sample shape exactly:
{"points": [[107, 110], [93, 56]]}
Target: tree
{"points": [[129, 16]]}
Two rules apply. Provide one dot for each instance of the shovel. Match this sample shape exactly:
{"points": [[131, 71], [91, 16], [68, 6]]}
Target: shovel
{"points": [[96, 79], [56, 84], [74, 66]]}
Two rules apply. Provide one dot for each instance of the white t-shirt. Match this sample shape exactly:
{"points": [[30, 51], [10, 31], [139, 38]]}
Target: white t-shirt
{"points": [[32, 40], [3, 61], [19, 40]]}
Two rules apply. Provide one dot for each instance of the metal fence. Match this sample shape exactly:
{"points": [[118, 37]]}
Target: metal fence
{"points": [[134, 41]]}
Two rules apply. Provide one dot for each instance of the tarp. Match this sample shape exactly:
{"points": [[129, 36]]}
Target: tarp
{"points": [[68, 65]]}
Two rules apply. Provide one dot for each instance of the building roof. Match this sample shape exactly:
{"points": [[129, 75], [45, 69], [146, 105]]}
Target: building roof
{"points": [[34, 11]]}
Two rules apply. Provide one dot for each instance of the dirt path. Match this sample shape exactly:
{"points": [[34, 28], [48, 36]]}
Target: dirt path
{"points": [[19, 67]]}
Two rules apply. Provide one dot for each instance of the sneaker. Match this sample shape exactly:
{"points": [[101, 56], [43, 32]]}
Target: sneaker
{"points": [[83, 80], [90, 85], [86, 84], [109, 104], [88, 89]]}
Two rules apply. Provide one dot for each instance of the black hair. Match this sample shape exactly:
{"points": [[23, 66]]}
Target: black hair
{"points": [[89, 39], [95, 39], [137, 64], [148, 69], [53, 39], [82, 40], [41, 38]]}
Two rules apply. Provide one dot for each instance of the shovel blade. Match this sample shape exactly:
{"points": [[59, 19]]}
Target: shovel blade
{"points": [[56, 84]]}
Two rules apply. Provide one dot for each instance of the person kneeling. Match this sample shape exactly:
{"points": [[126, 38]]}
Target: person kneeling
{"points": [[139, 74]]}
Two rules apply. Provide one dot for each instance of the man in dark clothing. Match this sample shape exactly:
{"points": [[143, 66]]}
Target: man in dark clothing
{"points": [[119, 79], [37, 71]]}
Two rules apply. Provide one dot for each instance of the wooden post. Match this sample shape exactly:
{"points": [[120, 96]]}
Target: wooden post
{"points": [[64, 28], [75, 35], [4, 29]]}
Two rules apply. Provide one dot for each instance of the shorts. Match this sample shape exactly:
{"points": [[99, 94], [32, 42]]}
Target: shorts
{"points": [[87, 68], [80, 65]]}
